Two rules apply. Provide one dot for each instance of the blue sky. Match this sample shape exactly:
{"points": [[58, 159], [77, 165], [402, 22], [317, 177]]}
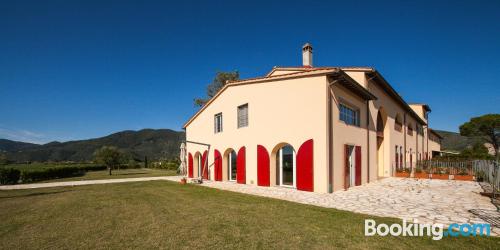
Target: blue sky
{"points": [[81, 69]]}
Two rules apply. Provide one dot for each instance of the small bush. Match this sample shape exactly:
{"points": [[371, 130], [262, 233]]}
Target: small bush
{"points": [[9, 176]]}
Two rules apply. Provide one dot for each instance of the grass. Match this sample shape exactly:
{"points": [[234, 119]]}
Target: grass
{"points": [[118, 174], [162, 214]]}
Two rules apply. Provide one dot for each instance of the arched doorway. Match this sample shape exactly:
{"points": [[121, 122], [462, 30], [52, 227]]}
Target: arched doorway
{"points": [[230, 164], [286, 166], [382, 140], [197, 165]]}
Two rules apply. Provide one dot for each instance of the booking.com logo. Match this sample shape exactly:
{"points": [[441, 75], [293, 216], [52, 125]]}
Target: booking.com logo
{"points": [[437, 231]]}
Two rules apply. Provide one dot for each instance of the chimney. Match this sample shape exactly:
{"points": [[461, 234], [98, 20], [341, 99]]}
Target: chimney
{"points": [[307, 55]]}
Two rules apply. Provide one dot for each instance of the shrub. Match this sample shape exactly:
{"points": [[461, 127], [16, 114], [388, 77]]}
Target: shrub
{"points": [[31, 175], [9, 176]]}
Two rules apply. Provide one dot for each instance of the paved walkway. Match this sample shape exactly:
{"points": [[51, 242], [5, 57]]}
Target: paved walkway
{"points": [[428, 201], [81, 183]]}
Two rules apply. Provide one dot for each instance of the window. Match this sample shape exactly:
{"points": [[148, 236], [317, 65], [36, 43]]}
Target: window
{"points": [[232, 165], [348, 115], [243, 116], [218, 123], [285, 160], [398, 124], [410, 130]]}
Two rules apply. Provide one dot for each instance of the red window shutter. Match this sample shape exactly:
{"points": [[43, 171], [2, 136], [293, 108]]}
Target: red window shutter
{"points": [[217, 165], [204, 164], [263, 169], [240, 166], [305, 166], [346, 166], [397, 160], [190, 165], [357, 181]]}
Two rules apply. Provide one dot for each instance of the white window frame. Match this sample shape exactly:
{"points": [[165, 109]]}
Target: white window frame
{"points": [[294, 169], [230, 165], [218, 119], [199, 165], [356, 111]]}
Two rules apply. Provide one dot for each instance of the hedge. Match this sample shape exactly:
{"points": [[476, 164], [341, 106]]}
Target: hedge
{"points": [[56, 172], [9, 176]]}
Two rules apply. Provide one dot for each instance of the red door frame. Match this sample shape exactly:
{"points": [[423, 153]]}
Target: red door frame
{"points": [[357, 180], [263, 168], [217, 165], [204, 168], [240, 166], [190, 165], [305, 166]]}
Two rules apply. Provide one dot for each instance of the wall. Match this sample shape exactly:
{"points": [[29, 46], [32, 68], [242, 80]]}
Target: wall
{"points": [[287, 111]]}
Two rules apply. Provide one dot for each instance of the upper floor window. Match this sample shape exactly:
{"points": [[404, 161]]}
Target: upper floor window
{"points": [[349, 115], [410, 130], [243, 116], [218, 123], [398, 124]]}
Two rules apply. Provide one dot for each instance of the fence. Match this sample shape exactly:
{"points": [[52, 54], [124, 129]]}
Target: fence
{"points": [[488, 171], [483, 170]]}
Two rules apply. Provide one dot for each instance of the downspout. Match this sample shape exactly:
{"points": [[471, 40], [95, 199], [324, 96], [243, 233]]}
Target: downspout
{"points": [[368, 139], [416, 138], [330, 140], [404, 136]]}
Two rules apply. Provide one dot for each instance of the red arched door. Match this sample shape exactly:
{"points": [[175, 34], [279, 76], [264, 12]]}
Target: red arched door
{"points": [[217, 165], [240, 166], [190, 165], [263, 174], [204, 168], [305, 167]]}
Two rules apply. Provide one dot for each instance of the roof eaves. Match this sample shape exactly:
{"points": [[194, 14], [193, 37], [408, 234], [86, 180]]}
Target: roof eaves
{"points": [[352, 85], [374, 74]]}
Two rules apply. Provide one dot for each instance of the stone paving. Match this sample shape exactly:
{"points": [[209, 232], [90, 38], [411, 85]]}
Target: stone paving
{"points": [[428, 201]]}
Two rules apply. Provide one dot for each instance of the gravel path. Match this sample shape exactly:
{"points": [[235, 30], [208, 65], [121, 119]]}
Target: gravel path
{"points": [[80, 183]]}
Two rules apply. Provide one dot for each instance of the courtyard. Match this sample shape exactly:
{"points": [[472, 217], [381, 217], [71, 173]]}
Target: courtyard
{"points": [[425, 200]]}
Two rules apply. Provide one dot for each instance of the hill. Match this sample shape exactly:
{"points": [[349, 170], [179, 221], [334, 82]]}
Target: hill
{"points": [[455, 142], [153, 143]]}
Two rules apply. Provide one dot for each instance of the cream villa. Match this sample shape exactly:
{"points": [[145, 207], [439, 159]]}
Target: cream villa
{"points": [[317, 129]]}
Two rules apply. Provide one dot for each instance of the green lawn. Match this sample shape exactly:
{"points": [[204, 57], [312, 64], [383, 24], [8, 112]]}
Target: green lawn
{"points": [[162, 214], [118, 174]]}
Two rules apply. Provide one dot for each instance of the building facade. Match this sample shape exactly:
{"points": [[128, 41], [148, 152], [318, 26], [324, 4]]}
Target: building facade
{"points": [[317, 129]]}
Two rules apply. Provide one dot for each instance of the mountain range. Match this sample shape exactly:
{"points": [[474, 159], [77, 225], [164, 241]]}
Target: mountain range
{"points": [[151, 143]]}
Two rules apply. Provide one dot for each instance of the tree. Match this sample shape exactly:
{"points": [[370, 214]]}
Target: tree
{"points": [[3, 159], [221, 78], [477, 151], [487, 126], [111, 157]]}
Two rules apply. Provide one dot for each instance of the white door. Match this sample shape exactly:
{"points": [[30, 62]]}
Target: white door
{"points": [[352, 171]]}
